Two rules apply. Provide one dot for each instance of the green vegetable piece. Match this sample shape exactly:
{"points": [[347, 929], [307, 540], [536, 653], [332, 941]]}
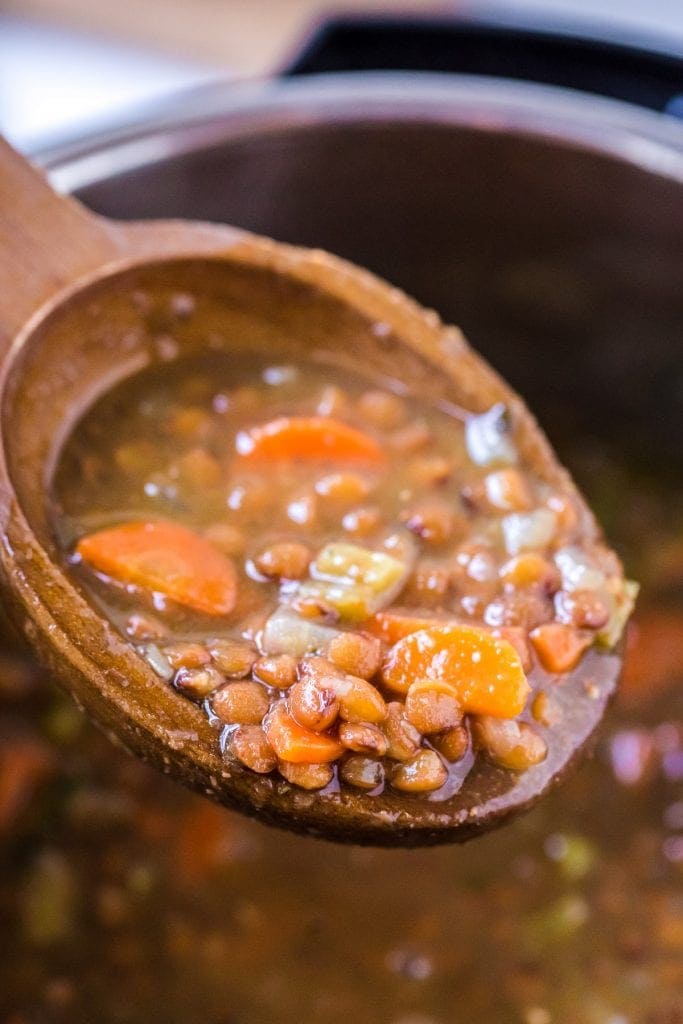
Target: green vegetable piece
{"points": [[354, 565], [355, 580]]}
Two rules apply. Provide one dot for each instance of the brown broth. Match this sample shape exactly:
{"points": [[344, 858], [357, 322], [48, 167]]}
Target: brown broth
{"points": [[173, 444]]}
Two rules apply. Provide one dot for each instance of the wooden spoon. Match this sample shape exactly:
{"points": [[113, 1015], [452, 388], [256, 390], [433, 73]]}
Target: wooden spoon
{"points": [[86, 302]]}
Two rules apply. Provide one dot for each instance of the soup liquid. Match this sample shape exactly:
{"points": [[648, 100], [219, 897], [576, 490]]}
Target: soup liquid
{"points": [[125, 899]]}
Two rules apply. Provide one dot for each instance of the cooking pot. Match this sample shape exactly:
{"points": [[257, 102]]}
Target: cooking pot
{"points": [[544, 221]]}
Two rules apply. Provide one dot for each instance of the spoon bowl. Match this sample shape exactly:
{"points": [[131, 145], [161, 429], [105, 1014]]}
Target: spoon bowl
{"points": [[90, 302]]}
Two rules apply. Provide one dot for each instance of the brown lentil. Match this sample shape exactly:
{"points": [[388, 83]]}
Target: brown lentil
{"points": [[197, 468], [431, 707], [286, 560], [433, 522], [411, 438], [186, 655], [423, 774], [362, 521], [509, 743], [343, 487], [359, 654], [453, 744], [403, 738], [362, 772], [531, 569], [313, 705], [430, 582], [242, 703], [359, 700], [198, 683], [278, 671], [363, 738], [382, 409], [431, 470], [233, 658], [250, 745], [228, 538], [525, 608], [307, 776]]}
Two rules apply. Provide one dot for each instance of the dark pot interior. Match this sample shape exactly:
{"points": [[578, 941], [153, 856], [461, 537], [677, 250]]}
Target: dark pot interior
{"points": [[561, 264]]}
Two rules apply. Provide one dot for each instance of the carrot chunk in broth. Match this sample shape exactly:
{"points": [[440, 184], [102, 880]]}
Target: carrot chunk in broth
{"points": [[166, 558], [292, 742], [484, 672], [395, 623], [310, 438], [559, 647]]}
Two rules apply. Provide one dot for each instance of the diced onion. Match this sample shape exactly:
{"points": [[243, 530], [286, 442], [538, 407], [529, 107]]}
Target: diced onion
{"points": [[578, 571], [487, 438], [624, 594], [285, 632], [528, 531], [156, 660]]}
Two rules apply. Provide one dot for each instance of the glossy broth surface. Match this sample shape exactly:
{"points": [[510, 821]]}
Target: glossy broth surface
{"points": [[363, 590]]}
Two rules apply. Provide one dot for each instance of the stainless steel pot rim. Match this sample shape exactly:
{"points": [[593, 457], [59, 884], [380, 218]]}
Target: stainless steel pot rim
{"points": [[225, 110]]}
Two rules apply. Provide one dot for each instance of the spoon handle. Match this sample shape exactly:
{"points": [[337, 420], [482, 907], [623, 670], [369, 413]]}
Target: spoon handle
{"points": [[47, 241]]}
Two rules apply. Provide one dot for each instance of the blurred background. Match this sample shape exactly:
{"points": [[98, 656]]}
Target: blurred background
{"points": [[68, 64]]}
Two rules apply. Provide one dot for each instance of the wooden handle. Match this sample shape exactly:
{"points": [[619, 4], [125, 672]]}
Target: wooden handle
{"points": [[47, 241]]}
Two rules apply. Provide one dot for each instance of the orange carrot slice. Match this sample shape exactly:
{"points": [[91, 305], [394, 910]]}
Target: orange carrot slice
{"points": [[307, 437], [484, 672], [559, 647], [392, 625], [166, 558], [292, 742]]}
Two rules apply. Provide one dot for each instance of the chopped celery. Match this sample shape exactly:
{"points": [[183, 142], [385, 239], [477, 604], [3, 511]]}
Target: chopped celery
{"points": [[624, 593], [355, 580], [351, 564]]}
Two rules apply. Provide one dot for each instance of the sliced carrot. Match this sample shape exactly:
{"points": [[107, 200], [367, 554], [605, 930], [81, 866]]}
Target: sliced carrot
{"points": [[559, 647], [307, 437], [517, 636], [166, 558], [484, 672], [292, 742], [392, 625]]}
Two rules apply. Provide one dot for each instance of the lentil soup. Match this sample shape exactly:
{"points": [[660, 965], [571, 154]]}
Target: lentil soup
{"points": [[362, 589], [124, 898]]}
